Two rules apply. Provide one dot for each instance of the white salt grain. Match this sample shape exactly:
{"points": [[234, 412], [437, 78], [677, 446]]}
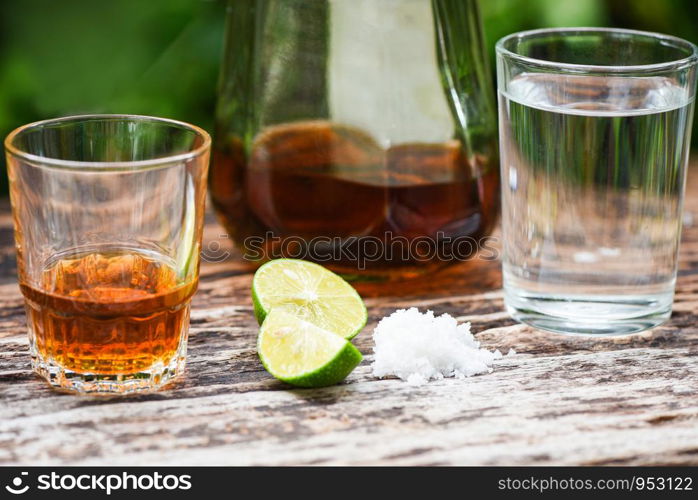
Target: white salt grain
{"points": [[419, 347]]}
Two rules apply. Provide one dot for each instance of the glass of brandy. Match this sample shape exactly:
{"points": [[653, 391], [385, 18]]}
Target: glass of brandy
{"points": [[361, 134], [108, 214]]}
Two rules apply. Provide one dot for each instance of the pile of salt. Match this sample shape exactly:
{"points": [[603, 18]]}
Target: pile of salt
{"points": [[418, 347]]}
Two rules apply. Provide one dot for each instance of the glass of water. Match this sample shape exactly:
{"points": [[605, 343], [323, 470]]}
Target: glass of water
{"points": [[595, 129]]}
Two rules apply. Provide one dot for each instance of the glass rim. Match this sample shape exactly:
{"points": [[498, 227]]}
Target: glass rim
{"points": [[675, 64], [46, 161]]}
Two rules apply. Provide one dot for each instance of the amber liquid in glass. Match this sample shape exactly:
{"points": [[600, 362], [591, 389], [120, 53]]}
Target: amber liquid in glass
{"points": [[107, 313], [312, 180]]}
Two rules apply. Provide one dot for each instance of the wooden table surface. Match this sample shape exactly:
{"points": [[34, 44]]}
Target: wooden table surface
{"points": [[560, 400]]}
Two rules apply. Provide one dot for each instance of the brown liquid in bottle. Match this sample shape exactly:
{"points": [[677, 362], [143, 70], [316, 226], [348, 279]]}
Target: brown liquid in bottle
{"points": [[108, 313], [322, 184]]}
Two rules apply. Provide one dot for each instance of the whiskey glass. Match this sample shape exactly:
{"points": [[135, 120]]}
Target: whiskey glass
{"points": [[108, 216]]}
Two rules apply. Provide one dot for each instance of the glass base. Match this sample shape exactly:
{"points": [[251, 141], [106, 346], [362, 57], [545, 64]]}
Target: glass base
{"points": [[152, 379], [594, 316]]}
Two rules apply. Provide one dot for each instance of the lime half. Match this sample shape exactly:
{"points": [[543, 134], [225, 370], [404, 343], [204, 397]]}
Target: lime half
{"points": [[310, 292], [302, 354]]}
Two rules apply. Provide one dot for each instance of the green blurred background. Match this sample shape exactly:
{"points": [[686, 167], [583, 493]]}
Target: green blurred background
{"points": [[161, 57]]}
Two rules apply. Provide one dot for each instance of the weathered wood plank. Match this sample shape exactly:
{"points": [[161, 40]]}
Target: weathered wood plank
{"points": [[561, 400]]}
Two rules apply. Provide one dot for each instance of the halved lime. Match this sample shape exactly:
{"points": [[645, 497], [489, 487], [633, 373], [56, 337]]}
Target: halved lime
{"points": [[310, 292], [302, 354]]}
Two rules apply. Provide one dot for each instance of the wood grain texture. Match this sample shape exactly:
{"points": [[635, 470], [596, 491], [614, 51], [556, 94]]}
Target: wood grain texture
{"points": [[560, 400]]}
